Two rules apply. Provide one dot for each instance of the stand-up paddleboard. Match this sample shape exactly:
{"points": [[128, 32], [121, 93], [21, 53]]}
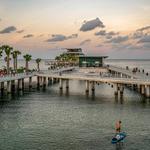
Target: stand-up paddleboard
{"points": [[118, 137]]}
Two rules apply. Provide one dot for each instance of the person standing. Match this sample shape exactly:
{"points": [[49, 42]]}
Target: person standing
{"points": [[118, 126]]}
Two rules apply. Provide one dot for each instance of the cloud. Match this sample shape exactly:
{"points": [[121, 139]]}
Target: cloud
{"points": [[102, 33], [145, 39], [85, 42], [144, 28], [60, 37], [99, 45], [138, 34], [118, 39], [20, 31], [112, 33], [8, 30], [107, 35], [92, 24], [41, 35], [28, 36]]}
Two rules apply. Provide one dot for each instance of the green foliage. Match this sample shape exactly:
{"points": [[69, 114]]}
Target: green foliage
{"points": [[67, 57], [27, 57], [38, 60], [15, 53]]}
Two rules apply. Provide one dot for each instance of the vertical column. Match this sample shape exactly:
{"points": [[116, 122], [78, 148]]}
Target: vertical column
{"points": [[67, 84], [38, 82], [121, 90], [49, 80], [2, 88], [44, 82], [60, 84], [30, 82], [117, 89], [138, 88], [22, 80], [147, 90], [142, 89], [19, 85], [8, 87], [52, 80], [93, 86], [87, 86], [41, 81], [13, 86]]}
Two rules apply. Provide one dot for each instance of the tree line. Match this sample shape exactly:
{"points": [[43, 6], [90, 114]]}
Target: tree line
{"points": [[9, 52]]}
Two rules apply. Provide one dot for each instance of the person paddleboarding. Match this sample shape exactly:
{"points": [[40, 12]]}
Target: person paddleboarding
{"points": [[118, 126]]}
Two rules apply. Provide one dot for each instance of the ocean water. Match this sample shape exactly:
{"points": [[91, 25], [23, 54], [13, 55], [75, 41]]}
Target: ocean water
{"points": [[72, 120]]}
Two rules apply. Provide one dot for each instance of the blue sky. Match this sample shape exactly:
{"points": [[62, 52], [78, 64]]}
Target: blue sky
{"points": [[117, 28]]}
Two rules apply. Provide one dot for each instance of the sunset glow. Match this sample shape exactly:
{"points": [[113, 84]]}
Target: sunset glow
{"points": [[111, 27]]}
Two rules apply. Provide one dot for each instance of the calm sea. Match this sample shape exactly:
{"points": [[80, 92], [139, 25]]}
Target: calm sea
{"points": [[70, 120]]}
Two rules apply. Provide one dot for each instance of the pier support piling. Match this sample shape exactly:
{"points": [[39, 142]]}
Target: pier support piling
{"points": [[87, 86], [19, 85], [93, 86], [38, 82], [67, 84], [142, 89], [147, 90], [30, 82], [2, 88], [44, 83], [13, 86], [117, 89], [60, 84], [22, 80], [8, 87]]}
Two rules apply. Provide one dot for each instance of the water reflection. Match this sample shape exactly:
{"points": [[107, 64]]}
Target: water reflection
{"points": [[119, 146]]}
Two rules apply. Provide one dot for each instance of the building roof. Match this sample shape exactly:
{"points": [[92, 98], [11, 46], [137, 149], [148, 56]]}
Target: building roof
{"points": [[88, 56]]}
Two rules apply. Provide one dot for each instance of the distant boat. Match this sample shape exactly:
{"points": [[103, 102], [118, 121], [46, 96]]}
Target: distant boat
{"points": [[118, 137]]}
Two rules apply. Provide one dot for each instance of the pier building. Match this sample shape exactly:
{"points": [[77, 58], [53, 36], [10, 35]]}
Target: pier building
{"points": [[91, 61]]}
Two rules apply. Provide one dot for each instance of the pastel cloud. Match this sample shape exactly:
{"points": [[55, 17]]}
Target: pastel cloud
{"points": [[20, 31], [85, 42], [145, 39], [8, 30], [91, 25], [118, 39], [61, 37], [144, 28], [28, 36]]}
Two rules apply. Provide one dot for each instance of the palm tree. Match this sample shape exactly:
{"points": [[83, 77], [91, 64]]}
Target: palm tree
{"points": [[7, 49], [27, 58], [15, 56], [38, 60]]}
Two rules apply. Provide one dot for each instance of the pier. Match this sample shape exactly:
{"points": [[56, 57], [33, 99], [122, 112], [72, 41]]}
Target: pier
{"points": [[10, 82], [118, 78]]}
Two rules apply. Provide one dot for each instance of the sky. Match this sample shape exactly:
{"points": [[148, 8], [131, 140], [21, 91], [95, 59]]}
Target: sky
{"points": [[119, 29]]}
